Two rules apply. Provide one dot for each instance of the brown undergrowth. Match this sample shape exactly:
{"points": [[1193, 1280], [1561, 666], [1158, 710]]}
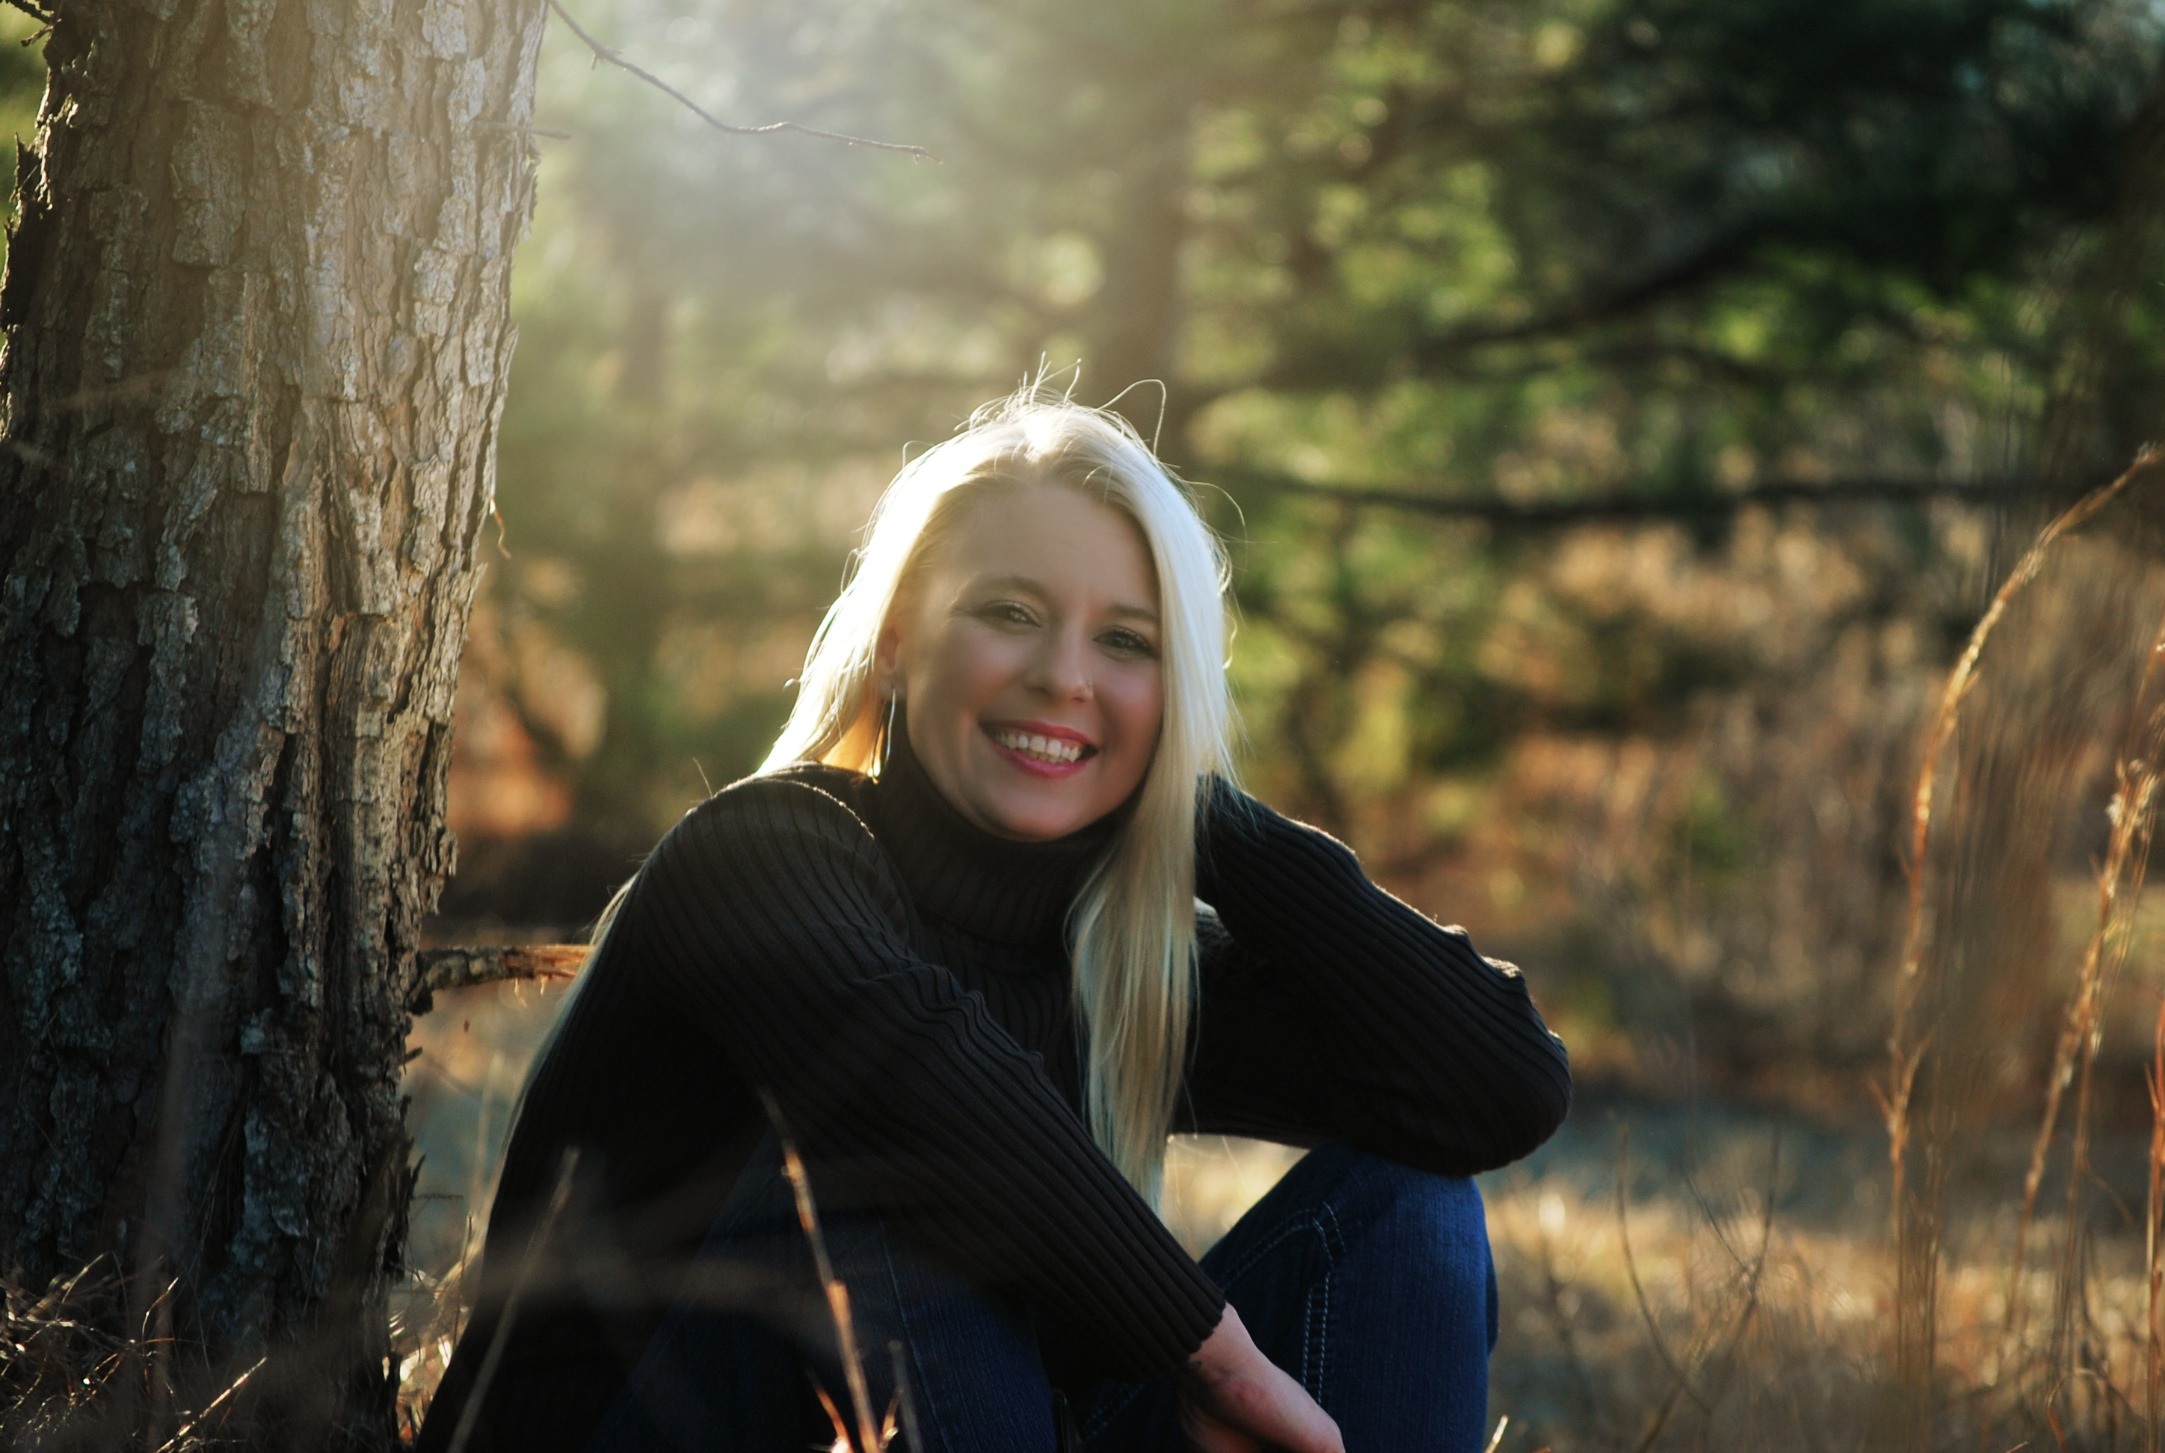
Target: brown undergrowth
{"points": [[1978, 1286], [1973, 1287], [69, 1382], [2010, 1294]]}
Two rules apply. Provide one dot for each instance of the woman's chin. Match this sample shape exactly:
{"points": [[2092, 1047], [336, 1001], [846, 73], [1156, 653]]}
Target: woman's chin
{"points": [[1036, 827], [1036, 818]]}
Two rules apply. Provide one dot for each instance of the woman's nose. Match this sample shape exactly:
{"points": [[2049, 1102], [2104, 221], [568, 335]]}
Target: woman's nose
{"points": [[1060, 667]]}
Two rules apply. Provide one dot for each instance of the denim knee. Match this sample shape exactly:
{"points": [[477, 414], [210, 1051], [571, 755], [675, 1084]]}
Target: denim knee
{"points": [[1423, 1226], [1365, 1187]]}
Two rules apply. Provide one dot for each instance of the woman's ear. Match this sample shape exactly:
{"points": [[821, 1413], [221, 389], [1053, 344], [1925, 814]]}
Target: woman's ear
{"points": [[886, 659]]}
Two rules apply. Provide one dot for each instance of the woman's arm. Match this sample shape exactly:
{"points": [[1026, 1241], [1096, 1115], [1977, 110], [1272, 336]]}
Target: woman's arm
{"points": [[1333, 1010], [774, 924]]}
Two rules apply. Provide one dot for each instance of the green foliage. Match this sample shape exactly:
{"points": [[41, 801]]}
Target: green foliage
{"points": [[1663, 250], [22, 79]]}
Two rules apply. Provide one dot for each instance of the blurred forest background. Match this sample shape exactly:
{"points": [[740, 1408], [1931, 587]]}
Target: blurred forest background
{"points": [[1621, 412], [1617, 410]]}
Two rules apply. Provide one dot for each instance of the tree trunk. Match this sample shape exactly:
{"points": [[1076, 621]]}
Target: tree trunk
{"points": [[256, 335]]}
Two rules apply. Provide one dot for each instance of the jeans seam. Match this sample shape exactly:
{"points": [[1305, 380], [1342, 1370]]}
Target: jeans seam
{"points": [[928, 1414], [1334, 1250], [1102, 1412], [1293, 1226]]}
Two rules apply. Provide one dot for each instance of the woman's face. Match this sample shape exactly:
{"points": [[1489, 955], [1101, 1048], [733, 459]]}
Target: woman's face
{"points": [[1026, 657]]}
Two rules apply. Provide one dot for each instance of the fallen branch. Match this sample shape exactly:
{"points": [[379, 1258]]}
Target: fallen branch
{"points": [[461, 968], [616, 58]]}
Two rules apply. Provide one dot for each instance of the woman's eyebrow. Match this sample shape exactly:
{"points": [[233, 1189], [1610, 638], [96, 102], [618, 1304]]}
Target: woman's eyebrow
{"points": [[1022, 583]]}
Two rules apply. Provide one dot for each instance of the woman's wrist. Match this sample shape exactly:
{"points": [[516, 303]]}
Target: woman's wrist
{"points": [[1233, 1397], [1226, 1348]]}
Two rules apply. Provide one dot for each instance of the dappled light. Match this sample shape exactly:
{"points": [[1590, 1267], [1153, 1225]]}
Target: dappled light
{"points": [[1684, 468], [1413, 289]]}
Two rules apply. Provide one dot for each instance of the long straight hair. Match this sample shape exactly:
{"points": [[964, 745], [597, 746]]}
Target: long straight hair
{"points": [[1131, 932]]}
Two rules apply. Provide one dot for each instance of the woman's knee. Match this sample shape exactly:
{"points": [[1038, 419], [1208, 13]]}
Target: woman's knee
{"points": [[1370, 1194], [1424, 1231], [1371, 1282]]}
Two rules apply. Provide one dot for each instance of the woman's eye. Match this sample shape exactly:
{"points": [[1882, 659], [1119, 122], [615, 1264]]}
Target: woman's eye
{"points": [[1129, 643], [1008, 613]]}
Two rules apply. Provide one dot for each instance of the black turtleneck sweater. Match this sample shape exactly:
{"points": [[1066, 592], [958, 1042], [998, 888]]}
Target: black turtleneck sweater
{"points": [[898, 980]]}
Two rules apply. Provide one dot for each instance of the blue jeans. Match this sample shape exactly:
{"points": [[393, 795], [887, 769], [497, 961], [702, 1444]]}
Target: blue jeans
{"points": [[1369, 1282]]}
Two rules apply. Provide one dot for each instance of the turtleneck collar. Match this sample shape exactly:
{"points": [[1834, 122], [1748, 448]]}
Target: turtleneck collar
{"points": [[995, 887]]}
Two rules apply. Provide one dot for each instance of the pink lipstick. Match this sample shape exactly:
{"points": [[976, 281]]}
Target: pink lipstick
{"points": [[1043, 749]]}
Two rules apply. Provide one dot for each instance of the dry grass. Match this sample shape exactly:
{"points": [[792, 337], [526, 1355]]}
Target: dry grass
{"points": [[1982, 1272], [69, 1382], [1666, 1322]]}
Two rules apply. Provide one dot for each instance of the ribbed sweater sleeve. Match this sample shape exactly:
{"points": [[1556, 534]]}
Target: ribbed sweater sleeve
{"points": [[774, 920], [1337, 1011]]}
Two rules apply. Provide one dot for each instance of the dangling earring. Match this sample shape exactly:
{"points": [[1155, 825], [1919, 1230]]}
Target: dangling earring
{"points": [[887, 732]]}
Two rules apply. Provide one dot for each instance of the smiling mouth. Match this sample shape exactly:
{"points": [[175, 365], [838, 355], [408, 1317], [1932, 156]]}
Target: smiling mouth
{"points": [[1052, 751]]}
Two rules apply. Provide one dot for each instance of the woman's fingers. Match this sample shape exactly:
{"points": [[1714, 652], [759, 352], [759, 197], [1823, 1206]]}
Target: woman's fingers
{"points": [[1236, 1400], [1264, 1409], [1207, 1435]]}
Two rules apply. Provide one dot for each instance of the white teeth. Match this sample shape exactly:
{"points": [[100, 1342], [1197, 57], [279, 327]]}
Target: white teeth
{"points": [[1045, 749]]}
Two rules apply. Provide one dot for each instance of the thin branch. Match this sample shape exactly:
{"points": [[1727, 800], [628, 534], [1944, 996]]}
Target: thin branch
{"points": [[1680, 1379], [1682, 274], [616, 58], [1552, 514], [460, 968], [567, 1167], [36, 12], [550, 132]]}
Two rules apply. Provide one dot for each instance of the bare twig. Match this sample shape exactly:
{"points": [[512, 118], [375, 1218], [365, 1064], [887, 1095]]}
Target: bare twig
{"points": [[460, 968], [1681, 1380], [36, 12], [549, 132], [470, 1414], [1565, 1327], [845, 1326], [903, 1400], [180, 1439], [616, 58]]}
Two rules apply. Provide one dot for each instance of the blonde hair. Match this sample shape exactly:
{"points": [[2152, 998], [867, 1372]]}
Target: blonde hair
{"points": [[1132, 930]]}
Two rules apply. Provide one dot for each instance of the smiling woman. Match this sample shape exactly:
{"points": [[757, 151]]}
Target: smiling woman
{"points": [[950, 936], [1024, 660]]}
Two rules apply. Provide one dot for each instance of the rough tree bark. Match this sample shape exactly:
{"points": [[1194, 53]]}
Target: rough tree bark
{"points": [[256, 337]]}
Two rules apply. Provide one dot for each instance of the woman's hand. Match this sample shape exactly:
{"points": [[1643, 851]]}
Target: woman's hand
{"points": [[1233, 1399]]}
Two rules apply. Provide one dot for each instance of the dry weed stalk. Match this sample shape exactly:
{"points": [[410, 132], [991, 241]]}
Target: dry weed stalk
{"points": [[2120, 885], [869, 1436], [1903, 1056], [493, 1358], [2120, 879], [2153, 1269], [1915, 1225], [1715, 1346]]}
